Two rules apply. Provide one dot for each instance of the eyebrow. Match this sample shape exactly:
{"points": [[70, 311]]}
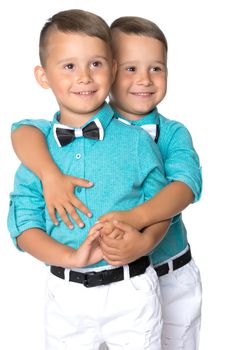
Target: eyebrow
{"points": [[136, 62], [64, 60]]}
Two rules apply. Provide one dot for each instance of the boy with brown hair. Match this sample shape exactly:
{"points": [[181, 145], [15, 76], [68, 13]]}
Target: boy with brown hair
{"points": [[87, 305], [140, 49]]}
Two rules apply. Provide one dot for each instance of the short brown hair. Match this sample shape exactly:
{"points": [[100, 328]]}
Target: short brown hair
{"points": [[73, 21], [139, 26]]}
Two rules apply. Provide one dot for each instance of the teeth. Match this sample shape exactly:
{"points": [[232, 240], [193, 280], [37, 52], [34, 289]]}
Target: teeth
{"points": [[84, 92], [142, 93]]}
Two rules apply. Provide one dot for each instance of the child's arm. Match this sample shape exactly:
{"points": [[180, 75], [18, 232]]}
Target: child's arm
{"points": [[132, 244], [31, 148], [27, 226], [170, 201], [182, 169], [38, 244]]}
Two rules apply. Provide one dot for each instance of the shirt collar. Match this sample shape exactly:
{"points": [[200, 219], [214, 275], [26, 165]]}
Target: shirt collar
{"points": [[105, 115], [150, 118]]}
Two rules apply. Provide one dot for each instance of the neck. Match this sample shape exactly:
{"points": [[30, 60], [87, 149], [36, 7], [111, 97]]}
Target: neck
{"points": [[79, 120], [75, 119], [127, 115]]}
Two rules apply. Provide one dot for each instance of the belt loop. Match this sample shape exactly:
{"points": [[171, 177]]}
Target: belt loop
{"points": [[67, 275], [126, 272], [170, 266]]}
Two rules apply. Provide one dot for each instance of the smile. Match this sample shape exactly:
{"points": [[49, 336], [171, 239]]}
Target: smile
{"points": [[143, 94], [84, 93]]}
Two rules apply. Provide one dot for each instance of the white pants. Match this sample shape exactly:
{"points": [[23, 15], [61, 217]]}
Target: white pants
{"points": [[181, 308], [124, 315]]}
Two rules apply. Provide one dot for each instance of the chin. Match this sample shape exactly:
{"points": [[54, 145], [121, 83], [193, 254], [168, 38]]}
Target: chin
{"points": [[143, 111]]}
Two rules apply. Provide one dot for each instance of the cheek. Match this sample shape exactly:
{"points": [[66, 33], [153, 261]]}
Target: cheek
{"points": [[60, 81], [60, 88], [161, 82], [163, 88], [122, 80], [118, 92], [122, 85], [103, 78]]}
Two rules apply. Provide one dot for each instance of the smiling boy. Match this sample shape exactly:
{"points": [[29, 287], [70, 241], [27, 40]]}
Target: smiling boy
{"points": [[87, 305], [140, 49]]}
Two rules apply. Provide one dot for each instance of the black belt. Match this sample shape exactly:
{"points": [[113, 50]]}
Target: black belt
{"points": [[176, 263], [93, 278]]}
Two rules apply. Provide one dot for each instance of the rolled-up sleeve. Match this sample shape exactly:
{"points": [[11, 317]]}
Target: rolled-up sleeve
{"points": [[43, 125], [27, 206], [182, 161]]}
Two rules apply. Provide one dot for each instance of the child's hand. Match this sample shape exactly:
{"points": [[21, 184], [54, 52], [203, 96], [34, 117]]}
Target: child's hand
{"points": [[127, 216], [120, 215], [89, 252], [125, 250], [110, 230], [59, 196]]}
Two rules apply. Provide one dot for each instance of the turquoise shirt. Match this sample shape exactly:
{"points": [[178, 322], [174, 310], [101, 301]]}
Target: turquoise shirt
{"points": [[181, 163], [126, 169]]}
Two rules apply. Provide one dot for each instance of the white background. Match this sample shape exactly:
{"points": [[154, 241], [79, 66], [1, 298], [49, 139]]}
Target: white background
{"points": [[199, 94]]}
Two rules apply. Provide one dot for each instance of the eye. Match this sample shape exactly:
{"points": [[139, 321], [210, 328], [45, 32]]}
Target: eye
{"points": [[131, 69], [70, 66], [156, 69], [96, 64]]}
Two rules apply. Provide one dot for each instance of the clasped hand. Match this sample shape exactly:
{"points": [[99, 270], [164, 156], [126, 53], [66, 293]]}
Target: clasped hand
{"points": [[116, 242]]}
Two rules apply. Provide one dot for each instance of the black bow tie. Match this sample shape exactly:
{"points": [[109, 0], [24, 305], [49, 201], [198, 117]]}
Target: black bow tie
{"points": [[65, 135]]}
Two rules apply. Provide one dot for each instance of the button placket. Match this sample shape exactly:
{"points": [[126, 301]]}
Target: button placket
{"points": [[78, 189], [78, 156], [78, 164]]}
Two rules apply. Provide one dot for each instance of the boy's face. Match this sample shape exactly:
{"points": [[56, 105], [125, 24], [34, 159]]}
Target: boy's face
{"points": [[141, 78], [79, 71]]}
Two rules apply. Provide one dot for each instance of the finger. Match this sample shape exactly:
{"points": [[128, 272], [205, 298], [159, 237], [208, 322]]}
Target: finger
{"points": [[120, 235], [116, 234], [117, 259], [91, 238], [113, 257], [81, 182], [114, 262], [80, 206], [110, 242], [122, 226], [72, 212], [98, 225], [108, 250], [63, 214], [106, 217], [108, 227], [94, 228], [51, 211]]}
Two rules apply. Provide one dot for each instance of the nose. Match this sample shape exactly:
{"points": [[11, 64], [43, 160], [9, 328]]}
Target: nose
{"points": [[144, 78], [84, 76]]}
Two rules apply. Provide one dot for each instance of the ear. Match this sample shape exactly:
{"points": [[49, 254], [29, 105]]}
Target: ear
{"points": [[41, 77], [114, 69]]}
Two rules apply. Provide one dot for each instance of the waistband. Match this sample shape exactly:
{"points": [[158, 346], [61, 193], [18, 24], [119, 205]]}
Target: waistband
{"points": [[94, 279], [174, 264]]}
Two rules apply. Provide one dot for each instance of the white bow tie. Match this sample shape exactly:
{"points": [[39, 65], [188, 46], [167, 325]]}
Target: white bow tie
{"points": [[151, 129]]}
